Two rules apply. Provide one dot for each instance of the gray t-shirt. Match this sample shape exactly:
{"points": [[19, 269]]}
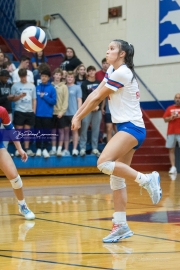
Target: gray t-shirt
{"points": [[75, 92], [24, 104]]}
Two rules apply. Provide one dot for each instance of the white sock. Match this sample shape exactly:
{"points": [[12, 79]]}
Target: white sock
{"points": [[53, 148], [21, 202], [59, 147], [141, 178], [119, 218]]}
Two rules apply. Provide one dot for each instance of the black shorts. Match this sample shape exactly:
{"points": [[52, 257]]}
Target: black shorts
{"points": [[58, 122], [24, 118], [107, 118], [67, 120]]}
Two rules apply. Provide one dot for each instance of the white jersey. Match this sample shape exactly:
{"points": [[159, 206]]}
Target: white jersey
{"points": [[124, 102], [15, 76]]}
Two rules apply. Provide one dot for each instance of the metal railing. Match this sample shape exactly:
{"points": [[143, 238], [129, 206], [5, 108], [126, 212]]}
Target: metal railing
{"points": [[82, 44]]}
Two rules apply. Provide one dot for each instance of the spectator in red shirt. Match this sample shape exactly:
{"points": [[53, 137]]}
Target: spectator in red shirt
{"points": [[172, 117], [101, 73]]}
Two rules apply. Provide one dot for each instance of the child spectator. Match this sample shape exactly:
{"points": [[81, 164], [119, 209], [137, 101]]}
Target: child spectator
{"points": [[81, 74], [59, 111], [63, 79], [74, 103], [11, 66], [101, 73], [94, 117], [25, 106], [46, 99], [71, 62], [24, 63]]}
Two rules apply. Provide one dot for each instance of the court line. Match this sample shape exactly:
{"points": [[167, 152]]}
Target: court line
{"points": [[92, 227], [89, 253], [60, 263]]}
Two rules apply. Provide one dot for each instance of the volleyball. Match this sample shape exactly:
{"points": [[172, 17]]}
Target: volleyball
{"points": [[33, 39]]}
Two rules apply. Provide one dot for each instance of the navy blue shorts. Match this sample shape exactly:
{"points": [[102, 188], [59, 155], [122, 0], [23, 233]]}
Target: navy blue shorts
{"points": [[138, 132]]}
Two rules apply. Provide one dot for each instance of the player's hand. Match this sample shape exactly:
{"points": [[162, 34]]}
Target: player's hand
{"points": [[76, 123], [24, 156]]}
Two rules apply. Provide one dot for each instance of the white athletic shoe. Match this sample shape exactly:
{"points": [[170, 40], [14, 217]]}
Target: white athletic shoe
{"points": [[52, 153], [30, 153], [17, 153], [75, 152], [65, 153], [82, 152], [26, 212], [96, 152], [173, 170], [45, 153], [59, 152], [38, 152], [118, 232], [153, 187]]}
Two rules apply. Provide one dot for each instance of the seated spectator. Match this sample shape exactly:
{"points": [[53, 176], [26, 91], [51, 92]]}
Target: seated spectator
{"points": [[81, 74], [25, 106], [94, 117], [59, 111], [11, 67], [70, 62], [1, 60], [46, 99], [74, 103], [38, 59], [7, 66], [101, 73], [24, 63]]}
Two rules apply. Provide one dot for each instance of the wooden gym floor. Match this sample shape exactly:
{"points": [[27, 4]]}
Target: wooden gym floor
{"points": [[74, 213]]}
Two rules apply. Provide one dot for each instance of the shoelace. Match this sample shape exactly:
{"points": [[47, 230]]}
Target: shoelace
{"points": [[115, 227]]}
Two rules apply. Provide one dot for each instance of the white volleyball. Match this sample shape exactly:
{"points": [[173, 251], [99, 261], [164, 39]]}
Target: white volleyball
{"points": [[33, 39]]}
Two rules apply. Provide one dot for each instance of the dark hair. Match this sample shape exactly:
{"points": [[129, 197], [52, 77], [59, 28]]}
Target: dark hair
{"points": [[129, 50], [74, 54], [6, 64], [22, 72], [7, 56], [46, 72], [24, 58], [43, 66], [103, 60], [90, 68], [42, 58]]}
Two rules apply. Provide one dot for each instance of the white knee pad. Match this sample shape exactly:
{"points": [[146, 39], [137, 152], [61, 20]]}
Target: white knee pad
{"points": [[117, 182], [17, 182], [107, 167]]}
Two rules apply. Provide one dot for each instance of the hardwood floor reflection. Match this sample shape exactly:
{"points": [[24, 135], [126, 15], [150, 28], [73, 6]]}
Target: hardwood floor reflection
{"points": [[74, 213]]}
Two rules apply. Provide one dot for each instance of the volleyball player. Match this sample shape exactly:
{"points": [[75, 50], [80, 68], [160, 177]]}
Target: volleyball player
{"points": [[121, 87], [9, 169]]}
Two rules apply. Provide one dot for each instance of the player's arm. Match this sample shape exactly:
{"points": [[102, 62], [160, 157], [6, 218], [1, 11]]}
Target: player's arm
{"points": [[84, 105]]}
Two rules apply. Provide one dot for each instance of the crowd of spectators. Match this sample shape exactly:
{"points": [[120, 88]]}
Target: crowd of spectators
{"points": [[37, 99]]}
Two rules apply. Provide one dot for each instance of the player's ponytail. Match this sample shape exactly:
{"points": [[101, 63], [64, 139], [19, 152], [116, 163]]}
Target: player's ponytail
{"points": [[129, 50]]}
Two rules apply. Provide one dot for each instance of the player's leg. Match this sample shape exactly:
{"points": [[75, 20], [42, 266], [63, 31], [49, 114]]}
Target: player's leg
{"points": [[120, 228], [116, 149], [9, 169]]}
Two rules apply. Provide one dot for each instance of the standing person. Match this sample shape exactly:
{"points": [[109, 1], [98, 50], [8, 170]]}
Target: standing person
{"points": [[59, 111], [46, 99], [172, 117], [36, 61], [74, 103], [81, 74], [94, 117], [25, 106], [70, 62], [101, 73], [9, 169], [122, 88], [24, 63]]}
